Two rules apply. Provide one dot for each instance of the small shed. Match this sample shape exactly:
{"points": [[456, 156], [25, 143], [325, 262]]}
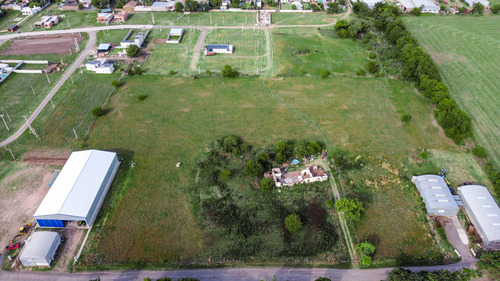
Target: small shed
{"points": [[103, 48], [13, 28], [40, 248], [175, 35], [211, 49]]}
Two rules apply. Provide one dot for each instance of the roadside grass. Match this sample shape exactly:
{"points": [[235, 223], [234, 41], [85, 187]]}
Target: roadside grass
{"points": [[73, 19], [111, 36], [167, 57], [302, 18], [194, 19], [466, 52], [16, 95], [297, 51], [247, 45]]}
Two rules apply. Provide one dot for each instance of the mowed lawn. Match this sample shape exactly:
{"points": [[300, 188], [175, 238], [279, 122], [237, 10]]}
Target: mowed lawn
{"points": [[302, 18], [300, 51], [466, 50], [166, 57], [212, 18], [67, 19], [249, 50], [152, 219]]}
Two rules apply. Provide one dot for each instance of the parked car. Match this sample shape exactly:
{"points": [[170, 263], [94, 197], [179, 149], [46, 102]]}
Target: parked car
{"points": [[13, 247]]}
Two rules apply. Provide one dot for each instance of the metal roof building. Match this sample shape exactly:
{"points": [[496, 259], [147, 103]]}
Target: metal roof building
{"points": [[79, 190], [40, 249], [483, 212], [436, 195]]}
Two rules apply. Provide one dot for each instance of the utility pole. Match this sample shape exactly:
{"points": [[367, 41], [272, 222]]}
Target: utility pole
{"points": [[5, 123], [71, 77], [33, 90], [10, 120], [31, 128], [77, 48], [12, 154], [153, 17], [74, 131], [67, 21]]}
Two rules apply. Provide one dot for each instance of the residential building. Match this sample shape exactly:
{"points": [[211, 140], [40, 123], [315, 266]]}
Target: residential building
{"points": [[121, 16], [212, 49], [163, 6], [104, 18], [428, 6], [47, 21], [483, 212], [27, 11], [307, 175], [436, 195], [100, 67]]}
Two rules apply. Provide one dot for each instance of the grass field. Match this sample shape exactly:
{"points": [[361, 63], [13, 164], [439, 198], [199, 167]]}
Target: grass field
{"points": [[152, 219], [167, 57], [73, 19], [302, 18], [173, 18], [7, 19], [466, 51], [16, 95], [111, 36], [334, 55], [247, 45]]}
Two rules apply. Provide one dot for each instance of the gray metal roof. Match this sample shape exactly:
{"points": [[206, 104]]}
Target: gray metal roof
{"points": [[104, 47], [481, 204], [435, 192], [40, 245], [218, 46]]}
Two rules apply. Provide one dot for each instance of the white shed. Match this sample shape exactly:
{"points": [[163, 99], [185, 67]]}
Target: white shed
{"points": [[79, 190], [40, 248]]}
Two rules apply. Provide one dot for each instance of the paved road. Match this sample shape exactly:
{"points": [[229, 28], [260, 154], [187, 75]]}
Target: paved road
{"points": [[66, 75]]}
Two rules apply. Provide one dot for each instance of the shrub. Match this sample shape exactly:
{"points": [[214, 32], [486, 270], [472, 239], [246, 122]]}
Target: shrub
{"points": [[329, 204], [253, 168], [372, 67], [324, 73], [293, 223], [372, 56], [343, 33], [97, 111], [171, 71], [140, 97], [133, 51], [479, 151], [365, 251], [405, 118], [351, 208], [361, 72], [266, 184], [294, 7], [137, 70], [225, 175], [229, 72], [115, 83], [495, 9]]}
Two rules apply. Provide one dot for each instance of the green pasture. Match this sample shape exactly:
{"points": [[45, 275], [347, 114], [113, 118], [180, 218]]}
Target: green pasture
{"points": [[16, 93], [299, 51], [111, 36], [167, 57], [194, 19], [248, 45], [466, 52], [302, 18]]}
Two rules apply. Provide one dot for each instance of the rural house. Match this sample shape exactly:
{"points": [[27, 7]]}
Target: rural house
{"points": [[130, 6], [27, 11], [121, 16], [307, 175], [484, 214], [212, 49], [47, 21], [436, 195], [104, 17], [100, 67]]}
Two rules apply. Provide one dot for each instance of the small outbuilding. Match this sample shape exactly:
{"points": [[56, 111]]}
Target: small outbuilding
{"points": [[104, 47], [484, 214], [212, 49], [13, 28], [175, 35], [436, 195], [79, 190], [40, 248]]}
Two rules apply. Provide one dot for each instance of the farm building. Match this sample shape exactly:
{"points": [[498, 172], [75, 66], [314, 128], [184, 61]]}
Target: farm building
{"points": [[428, 6], [100, 67], [13, 28], [47, 21], [27, 11], [138, 40], [436, 195], [40, 249], [103, 48], [212, 49], [483, 212], [104, 18], [175, 35], [163, 6], [130, 6], [79, 190]]}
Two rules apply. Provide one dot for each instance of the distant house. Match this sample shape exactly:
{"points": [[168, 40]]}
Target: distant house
{"points": [[138, 40], [298, 5], [101, 67], [130, 6], [104, 18], [225, 5], [47, 21], [212, 49], [13, 28], [27, 11], [16, 7], [86, 3], [428, 6], [484, 214], [436, 195], [163, 6], [307, 175], [175, 35], [121, 16], [485, 3]]}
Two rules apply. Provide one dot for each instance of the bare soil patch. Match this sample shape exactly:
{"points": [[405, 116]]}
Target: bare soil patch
{"points": [[50, 156], [59, 44], [160, 41]]}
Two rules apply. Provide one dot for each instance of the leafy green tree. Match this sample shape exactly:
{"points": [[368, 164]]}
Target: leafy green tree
{"points": [[164, 279], [351, 208], [263, 157], [495, 9], [341, 2], [314, 147], [479, 151], [133, 51], [229, 72], [416, 11], [333, 8], [140, 97], [343, 33], [100, 4], [215, 4], [115, 83], [293, 223], [97, 111], [137, 70], [405, 118], [148, 2], [254, 168], [225, 175], [119, 4], [478, 8], [372, 67], [178, 7], [341, 24], [294, 7], [266, 184], [191, 5], [284, 147], [489, 262], [329, 204], [365, 251], [80, 6]]}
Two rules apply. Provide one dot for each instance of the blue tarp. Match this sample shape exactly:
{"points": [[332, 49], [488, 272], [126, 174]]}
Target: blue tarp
{"points": [[295, 161]]}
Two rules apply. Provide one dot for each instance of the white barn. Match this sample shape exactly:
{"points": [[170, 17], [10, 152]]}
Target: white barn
{"points": [[211, 49], [428, 6], [40, 248], [100, 67], [79, 190], [483, 212], [436, 195]]}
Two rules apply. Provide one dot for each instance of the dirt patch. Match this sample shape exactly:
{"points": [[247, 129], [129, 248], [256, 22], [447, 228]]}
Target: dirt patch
{"points": [[52, 156], [160, 41], [73, 237], [60, 44], [441, 58]]}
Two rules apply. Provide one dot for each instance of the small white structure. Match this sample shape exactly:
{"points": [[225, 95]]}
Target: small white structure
{"points": [[79, 190], [212, 49], [175, 35], [27, 11], [483, 212], [307, 175], [138, 40], [298, 5], [40, 248], [100, 67], [436, 195], [428, 6], [371, 3], [485, 3], [163, 6], [86, 3]]}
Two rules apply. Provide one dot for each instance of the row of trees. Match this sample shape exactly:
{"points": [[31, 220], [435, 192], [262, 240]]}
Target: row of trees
{"points": [[400, 274]]}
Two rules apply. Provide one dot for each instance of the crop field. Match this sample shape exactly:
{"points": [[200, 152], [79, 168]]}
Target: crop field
{"points": [[299, 51], [167, 57], [16, 95], [212, 18], [302, 18], [466, 51], [152, 219], [248, 45]]}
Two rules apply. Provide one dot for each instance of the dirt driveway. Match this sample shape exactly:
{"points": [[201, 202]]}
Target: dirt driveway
{"points": [[57, 44]]}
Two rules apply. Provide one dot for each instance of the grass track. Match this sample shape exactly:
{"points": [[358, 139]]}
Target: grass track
{"points": [[466, 51]]}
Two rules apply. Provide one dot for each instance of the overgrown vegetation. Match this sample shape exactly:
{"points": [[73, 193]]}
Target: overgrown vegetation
{"points": [[400, 274]]}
